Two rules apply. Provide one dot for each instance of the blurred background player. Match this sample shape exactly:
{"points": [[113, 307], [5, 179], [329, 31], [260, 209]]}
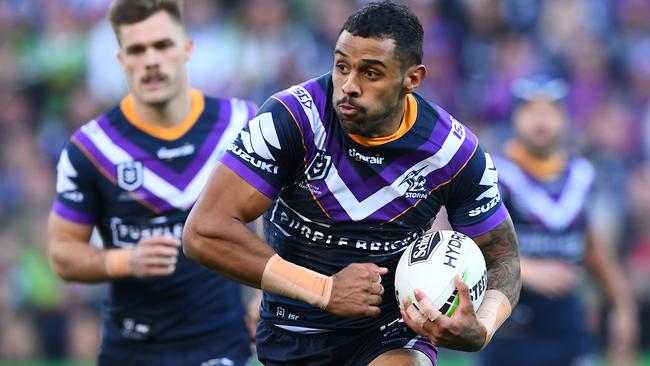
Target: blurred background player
{"points": [[350, 167], [547, 190], [134, 173]]}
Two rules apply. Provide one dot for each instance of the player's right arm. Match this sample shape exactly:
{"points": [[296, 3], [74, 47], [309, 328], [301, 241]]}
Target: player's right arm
{"points": [[71, 223], [73, 258], [264, 158]]}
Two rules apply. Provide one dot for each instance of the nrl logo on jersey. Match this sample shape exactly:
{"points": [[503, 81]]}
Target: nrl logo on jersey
{"points": [[416, 185], [130, 175], [320, 166]]}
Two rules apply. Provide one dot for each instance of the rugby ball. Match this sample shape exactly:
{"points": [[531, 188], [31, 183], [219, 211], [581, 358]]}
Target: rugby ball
{"points": [[430, 264]]}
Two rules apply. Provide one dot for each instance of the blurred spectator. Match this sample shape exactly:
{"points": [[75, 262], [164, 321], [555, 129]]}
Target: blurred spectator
{"points": [[441, 55], [58, 69], [18, 338], [83, 334], [638, 233], [103, 74], [216, 38], [331, 15], [589, 80], [275, 52]]}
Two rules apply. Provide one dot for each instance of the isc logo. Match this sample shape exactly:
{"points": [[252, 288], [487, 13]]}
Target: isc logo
{"points": [[422, 249]]}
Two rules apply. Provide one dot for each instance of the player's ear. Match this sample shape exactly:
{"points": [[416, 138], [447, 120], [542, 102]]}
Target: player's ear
{"points": [[120, 58], [188, 47], [413, 77]]}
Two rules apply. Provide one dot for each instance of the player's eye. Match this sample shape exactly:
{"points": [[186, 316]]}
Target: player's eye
{"points": [[164, 44], [135, 50], [342, 68], [371, 74]]}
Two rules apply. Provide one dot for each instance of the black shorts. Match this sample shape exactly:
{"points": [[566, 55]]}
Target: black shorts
{"points": [[204, 351], [278, 346]]}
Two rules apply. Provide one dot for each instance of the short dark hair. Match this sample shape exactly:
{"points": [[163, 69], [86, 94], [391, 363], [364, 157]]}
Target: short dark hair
{"points": [[124, 12], [387, 20]]}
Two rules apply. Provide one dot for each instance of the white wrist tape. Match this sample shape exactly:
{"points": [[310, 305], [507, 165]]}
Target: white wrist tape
{"points": [[117, 262], [494, 310]]}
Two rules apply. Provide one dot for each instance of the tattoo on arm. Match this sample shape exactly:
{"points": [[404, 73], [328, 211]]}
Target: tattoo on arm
{"points": [[501, 251]]}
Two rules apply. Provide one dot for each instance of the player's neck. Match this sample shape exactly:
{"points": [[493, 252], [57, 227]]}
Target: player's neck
{"points": [[170, 114], [541, 164], [390, 123], [396, 119]]}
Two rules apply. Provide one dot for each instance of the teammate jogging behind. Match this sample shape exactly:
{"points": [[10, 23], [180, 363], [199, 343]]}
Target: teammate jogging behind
{"points": [[548, 191], [134, 173]]}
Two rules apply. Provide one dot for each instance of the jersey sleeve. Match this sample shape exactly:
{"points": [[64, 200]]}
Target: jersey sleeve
{"points": [[77, 197], [269, 150], [474, 204]]}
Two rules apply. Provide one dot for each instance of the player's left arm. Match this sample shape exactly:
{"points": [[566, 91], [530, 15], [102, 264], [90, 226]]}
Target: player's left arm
{"points": [[476, 209], [623, 322], [501, 251]]}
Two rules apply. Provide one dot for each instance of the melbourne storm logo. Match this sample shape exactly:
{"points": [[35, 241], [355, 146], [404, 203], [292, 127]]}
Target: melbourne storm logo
{"points": [[416, 184]]}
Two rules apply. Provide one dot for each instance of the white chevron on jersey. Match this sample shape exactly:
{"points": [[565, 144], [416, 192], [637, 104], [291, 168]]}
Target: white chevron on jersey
{"points": [[238, 118], [556, 215], [359, 210], [490, 179], [181, 199], [262, 131], [66, 172]]}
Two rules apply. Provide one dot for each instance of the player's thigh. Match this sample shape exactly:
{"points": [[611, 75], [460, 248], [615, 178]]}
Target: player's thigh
{"points": [[402, 357]]}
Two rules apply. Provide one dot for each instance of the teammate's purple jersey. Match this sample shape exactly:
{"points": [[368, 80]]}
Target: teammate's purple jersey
{"points": [[132, 184], [550, 216], [339, 199]]}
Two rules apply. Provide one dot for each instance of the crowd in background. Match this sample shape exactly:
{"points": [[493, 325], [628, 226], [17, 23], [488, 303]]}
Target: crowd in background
{"points": [[58, 70]]}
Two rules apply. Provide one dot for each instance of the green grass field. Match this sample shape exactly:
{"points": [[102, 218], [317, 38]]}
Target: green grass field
{"points": [[446, 358]]}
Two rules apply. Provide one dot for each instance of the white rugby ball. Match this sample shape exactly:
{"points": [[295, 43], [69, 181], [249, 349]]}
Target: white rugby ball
{"points": [[430, 264]]}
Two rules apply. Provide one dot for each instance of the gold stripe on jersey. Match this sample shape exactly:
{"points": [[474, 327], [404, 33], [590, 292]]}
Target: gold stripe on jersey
{"points": [[408, 120], [165, 133], [108, 176]]}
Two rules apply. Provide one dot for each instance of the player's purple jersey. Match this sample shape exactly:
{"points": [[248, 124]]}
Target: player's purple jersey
{"points": [[549, 216], [132, 184], [340, 199]]}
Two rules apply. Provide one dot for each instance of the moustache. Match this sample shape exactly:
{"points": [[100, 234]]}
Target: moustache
{"points": [[153, 76], [347, 100]]}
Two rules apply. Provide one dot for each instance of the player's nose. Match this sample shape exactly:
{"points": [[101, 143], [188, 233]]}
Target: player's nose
{"points": [[351, 85], [151, 58]]}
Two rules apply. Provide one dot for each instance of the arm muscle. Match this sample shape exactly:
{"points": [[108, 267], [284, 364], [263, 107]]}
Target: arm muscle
{"points": [[501, 251], [215, 234], [71, 255]]}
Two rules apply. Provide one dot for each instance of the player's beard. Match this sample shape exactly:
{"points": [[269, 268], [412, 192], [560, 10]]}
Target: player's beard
{"points": [[353, 124], [364, 124]]}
